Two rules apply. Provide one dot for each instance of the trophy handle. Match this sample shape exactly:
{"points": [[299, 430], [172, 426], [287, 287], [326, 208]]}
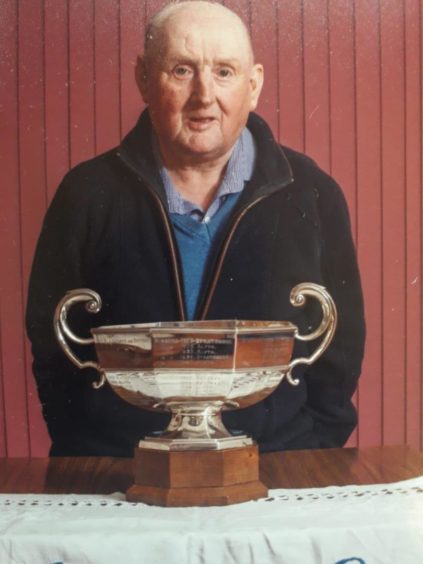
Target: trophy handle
{"points": [[298, 298], [61, 328]]}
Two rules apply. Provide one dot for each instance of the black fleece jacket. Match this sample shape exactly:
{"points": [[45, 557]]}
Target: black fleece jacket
{"points": [[108, 229]]}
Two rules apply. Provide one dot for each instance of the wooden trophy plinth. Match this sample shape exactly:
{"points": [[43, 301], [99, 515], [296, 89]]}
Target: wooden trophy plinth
{"points": [[196, 477]]}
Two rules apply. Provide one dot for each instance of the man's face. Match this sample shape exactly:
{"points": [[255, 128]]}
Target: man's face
{"points": [[200, 87]]}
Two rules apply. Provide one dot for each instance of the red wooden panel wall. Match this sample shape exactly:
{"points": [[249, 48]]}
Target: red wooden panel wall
{"points": [[343, 84]]}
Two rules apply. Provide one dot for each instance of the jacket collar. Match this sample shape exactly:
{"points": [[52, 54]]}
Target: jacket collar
{"points": [[272, 162], [136, 151], [272, 172]]}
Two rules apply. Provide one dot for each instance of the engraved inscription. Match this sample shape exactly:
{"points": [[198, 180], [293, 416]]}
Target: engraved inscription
{"points": [[190, 349]]}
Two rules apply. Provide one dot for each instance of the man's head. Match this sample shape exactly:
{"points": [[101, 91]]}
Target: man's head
{"points": [[199, 79]]}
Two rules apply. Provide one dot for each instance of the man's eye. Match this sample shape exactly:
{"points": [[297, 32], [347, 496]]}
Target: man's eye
{"points": [[181, 71], [224, 73]]}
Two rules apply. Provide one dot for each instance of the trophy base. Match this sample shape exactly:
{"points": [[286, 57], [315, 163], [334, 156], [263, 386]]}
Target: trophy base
{"points": [[196, 497], [196, 478]]}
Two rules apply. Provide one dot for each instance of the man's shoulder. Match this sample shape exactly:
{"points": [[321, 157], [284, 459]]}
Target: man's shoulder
{"points": [[93, 184], [304, 171], [313, 184], [308, 174], [94, 169], [304, 167], [99, 179]]}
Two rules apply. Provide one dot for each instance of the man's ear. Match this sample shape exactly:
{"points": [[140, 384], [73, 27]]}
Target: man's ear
{"points": [[256, 83], [141, 78]]}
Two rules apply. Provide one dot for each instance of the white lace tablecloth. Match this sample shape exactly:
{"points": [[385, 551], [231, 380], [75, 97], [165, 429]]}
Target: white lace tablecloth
{"points": [[379, 524]]}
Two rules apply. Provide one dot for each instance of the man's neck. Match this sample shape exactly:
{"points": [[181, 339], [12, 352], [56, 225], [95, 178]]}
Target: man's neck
{"points": [[198, 184], [196, 180]]}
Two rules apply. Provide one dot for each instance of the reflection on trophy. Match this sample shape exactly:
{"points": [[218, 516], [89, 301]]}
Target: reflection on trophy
{"points": [[194, 370]]}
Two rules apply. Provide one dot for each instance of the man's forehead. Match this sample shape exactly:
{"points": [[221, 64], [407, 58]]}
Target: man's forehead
{"points": [[198, 38], [195, 28]]}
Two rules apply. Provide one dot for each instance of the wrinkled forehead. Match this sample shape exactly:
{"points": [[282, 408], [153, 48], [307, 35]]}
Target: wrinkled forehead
{"points": [[198, 35], [205, 39]]}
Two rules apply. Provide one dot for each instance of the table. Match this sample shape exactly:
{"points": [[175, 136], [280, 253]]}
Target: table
{"points": [[293, 469], [356, 523]]}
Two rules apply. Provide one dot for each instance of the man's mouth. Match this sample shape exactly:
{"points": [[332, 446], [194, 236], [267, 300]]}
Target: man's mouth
{"points": [[200, 122]]}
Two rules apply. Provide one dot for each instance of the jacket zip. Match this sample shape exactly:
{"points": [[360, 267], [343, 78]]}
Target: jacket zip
{"points": [[175, 264], [173, 254], [222, 255], [169, 237]]}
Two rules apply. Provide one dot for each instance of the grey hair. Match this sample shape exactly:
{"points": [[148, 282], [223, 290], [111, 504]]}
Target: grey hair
{"points": [[154, 26]]}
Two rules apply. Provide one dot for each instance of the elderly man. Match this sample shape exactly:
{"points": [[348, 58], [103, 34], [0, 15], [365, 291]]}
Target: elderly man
{"points": [[198, 214]]}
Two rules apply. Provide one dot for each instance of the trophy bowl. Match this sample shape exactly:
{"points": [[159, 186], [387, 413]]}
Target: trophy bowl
{"points": [[195, 369]]}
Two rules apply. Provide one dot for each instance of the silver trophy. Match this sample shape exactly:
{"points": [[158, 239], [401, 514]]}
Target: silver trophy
{"points": [[195, 369]]}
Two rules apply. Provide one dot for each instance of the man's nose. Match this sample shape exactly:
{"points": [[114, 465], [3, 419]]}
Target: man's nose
{"points": [[203, 87]]}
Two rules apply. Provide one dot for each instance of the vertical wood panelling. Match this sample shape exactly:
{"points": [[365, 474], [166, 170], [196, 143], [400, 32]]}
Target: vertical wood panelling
{"points": [[31, 126], [132, 13], [10, 280], [343, 82], [316, 82], [413, 146], [369, 200], [81, 73], [393, 220], [291, 74], [3, 423], [342, 100], [107, 94], [264, 17], [56, 91], [21, 231], [420, 19]]}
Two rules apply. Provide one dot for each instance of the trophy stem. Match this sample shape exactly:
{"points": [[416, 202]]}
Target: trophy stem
{"points": [[195, 426]]}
